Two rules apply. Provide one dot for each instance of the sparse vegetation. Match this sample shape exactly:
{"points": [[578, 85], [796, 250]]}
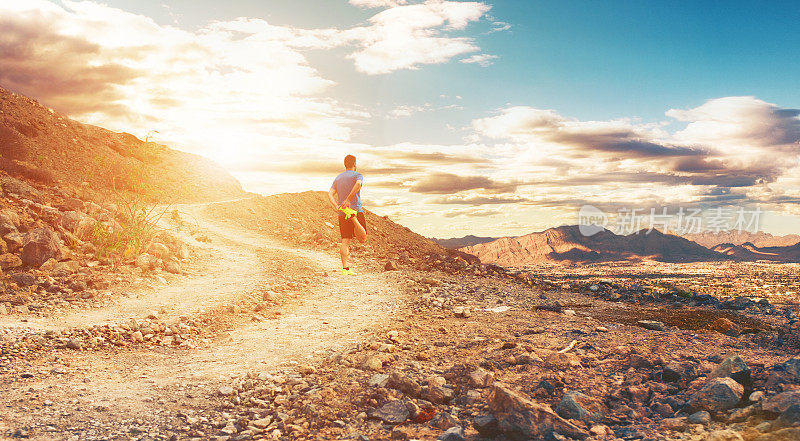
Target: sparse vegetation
{"points": [[136, 220]]}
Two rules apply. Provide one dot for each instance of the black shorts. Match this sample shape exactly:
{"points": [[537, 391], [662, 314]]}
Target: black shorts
{"points": [[346, 227]]}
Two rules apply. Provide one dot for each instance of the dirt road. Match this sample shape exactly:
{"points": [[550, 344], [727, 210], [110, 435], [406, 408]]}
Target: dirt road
{"points": [[327, 314]]}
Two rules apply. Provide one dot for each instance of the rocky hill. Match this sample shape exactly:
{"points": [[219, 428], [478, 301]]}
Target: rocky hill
{"points": [[758, 239], [748, 251], [39, 144], [567, 245], [461, 242]]}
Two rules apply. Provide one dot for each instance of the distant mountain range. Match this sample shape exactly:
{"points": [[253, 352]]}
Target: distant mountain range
{"points": [[759, 239], [567, 244], [461, 242], [748, 251]]}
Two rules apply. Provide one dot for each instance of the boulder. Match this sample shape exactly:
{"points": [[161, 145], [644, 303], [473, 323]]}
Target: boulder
{"points": [[40, 245], [719, 394], [577, 406], [734, 367], [393, 412], [779, 403], [520, 418], [789, 418]]}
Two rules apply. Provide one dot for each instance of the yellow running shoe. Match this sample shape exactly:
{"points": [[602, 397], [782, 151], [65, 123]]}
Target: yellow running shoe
{"points": [[348, 212], [348, 272]]}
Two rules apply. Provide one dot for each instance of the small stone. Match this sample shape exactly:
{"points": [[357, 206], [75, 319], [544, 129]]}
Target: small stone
{"points": [[653, 325], [569, 312], [674, 424], [701, 417], [226, 391], [757, 396], [444, 421], [137, 337], [306, 370], [724, 435], [480, 377], [372, 363], [378, 380], [452, 434]]}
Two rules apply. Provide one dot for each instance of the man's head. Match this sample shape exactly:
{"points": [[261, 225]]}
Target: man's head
{"points": [[350, 162]]}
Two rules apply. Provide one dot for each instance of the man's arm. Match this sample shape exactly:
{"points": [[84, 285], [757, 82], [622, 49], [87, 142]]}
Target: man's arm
{"points": [[332, 198], [353, 193]]}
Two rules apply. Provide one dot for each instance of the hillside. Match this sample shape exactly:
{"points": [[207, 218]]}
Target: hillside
{"points": [[758, 239], [461, 242], [567, 245], [39, 144], [307, 218]]}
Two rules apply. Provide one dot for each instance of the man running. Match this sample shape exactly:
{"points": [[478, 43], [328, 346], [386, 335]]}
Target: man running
{"points": [[345, 197]]}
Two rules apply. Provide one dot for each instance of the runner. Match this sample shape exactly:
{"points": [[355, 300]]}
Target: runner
{"points": [[345, 197]]}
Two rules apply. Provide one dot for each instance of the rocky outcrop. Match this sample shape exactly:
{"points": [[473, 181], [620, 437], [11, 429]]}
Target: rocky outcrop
{"points": [[520, 418]]}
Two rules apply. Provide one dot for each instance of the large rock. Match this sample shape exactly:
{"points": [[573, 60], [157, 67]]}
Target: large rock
{"points": [[789, 418], [717, 395], [780, 402], [40, 245], [575, 405], [393, 412], [734, 367], [520, 418]]}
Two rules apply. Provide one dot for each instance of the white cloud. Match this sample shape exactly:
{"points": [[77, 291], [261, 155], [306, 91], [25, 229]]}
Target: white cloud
{"points": [[377, 3], [483, 60], [407, 36]]}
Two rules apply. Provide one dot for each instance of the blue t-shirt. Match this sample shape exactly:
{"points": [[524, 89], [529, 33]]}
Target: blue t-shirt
{"points": [[343, 184]]}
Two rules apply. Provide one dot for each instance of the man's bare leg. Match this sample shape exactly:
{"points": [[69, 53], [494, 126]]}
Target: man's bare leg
{"points": [[359, 231], [344, 251]]}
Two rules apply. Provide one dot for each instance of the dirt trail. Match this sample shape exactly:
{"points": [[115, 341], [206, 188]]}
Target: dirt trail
{"points": [[333, 314]]}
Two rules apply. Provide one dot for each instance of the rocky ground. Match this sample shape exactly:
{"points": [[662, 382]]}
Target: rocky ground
{"points": [[256, 336]]}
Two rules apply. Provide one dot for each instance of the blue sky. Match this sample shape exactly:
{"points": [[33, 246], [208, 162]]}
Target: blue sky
{"points": [[565, 103]]}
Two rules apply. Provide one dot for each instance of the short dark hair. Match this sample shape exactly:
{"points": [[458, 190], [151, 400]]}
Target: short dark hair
{"points": [[349, 161]]}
